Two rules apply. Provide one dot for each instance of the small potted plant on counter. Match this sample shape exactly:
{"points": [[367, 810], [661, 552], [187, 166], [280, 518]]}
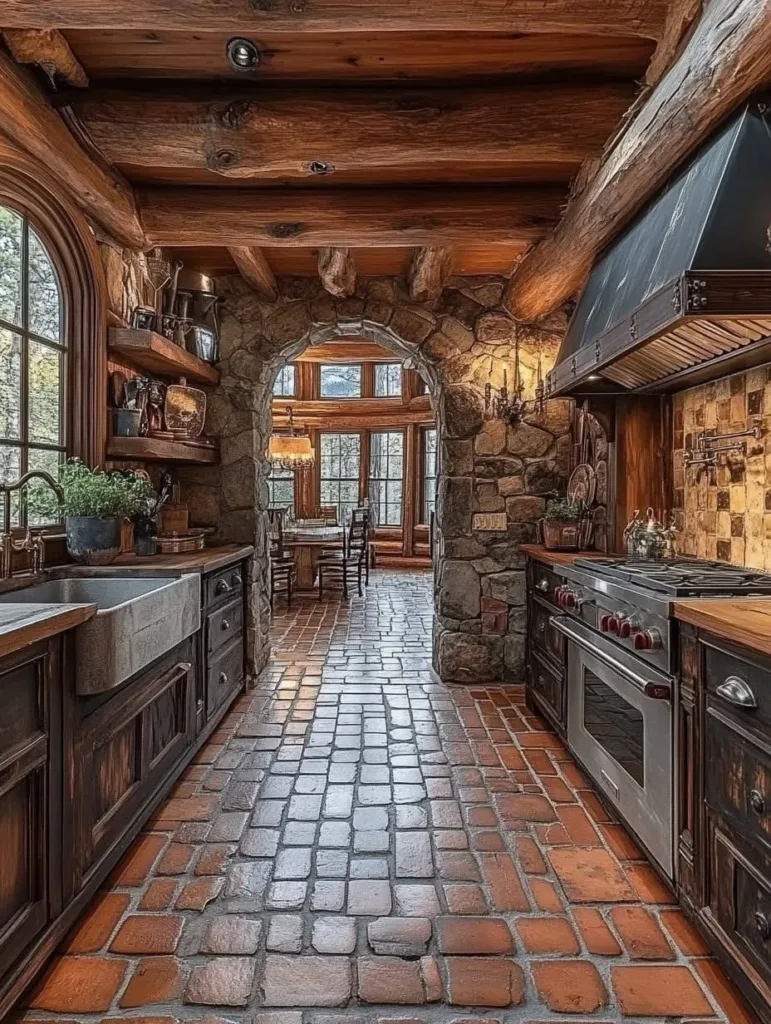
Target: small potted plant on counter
{"points": [[94, 506], [566, 526]]}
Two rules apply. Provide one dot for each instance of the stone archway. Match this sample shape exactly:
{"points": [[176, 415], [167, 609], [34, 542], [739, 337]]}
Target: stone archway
{"points": [[458, 344]]}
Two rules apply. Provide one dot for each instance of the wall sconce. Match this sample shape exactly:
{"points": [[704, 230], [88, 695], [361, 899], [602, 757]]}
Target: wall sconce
{"points": [[512, 407], [290, 451]]}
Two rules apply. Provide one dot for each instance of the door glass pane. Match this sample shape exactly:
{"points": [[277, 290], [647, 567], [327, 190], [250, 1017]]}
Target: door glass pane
{"points": [[45, 312], [45, 372], [10, 384], [616, 725], [429, 473], [339, 472], [385, 472], [11, 231]]}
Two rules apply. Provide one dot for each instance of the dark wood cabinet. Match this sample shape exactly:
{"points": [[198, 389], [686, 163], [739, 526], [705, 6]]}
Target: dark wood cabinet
{"points": [[80, 776], [723, 730], [29, 725], [545, 648], [123, 749]]}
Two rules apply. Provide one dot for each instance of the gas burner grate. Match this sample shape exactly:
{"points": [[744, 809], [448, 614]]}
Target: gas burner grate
{"points": [[683, 577]]}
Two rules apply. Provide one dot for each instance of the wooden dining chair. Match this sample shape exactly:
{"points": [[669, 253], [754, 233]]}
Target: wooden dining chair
{"points": [[283, 572]]}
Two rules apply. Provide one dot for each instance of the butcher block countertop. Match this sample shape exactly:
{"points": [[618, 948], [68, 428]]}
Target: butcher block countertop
{"points": [[208, 560], [746, 622], [25, 624], [539, 552]]}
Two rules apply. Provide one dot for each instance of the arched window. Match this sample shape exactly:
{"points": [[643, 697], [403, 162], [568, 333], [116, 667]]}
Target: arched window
{"points": [[33, 356]]}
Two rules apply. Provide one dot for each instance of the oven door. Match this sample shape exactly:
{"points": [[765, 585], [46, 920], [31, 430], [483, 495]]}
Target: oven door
{"points": [[620, 727]]}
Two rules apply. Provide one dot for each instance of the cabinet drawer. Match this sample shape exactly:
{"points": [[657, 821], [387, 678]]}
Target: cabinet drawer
{"points": [[226, 673], [730, 677], [548, 685], [543, 582], [224, 586], [546, 639], [738, 781], [740, 892], [224, 625]]}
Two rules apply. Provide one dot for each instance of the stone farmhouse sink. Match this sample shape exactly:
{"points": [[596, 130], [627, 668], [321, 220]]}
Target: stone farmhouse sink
{"points": [[137, 620]]}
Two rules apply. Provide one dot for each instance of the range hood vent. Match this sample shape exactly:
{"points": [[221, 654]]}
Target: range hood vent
{"points": [[684, 294]]}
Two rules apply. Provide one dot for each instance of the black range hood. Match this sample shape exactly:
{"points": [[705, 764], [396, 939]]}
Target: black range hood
{"points": [[684, 294]]}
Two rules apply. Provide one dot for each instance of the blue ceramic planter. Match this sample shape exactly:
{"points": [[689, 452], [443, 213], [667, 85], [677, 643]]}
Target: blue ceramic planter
{"points": [[93, 541]]}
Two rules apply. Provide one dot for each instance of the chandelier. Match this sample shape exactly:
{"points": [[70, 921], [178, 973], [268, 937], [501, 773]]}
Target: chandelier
{"points": [[290, 451], [512, 407]]}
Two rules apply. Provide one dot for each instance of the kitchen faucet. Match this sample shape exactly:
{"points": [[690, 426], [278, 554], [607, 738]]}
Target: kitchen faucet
{"points": [[33, 544]]}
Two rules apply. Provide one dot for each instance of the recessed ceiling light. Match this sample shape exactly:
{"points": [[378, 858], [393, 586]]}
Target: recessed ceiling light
{"points": [[243, 54]]}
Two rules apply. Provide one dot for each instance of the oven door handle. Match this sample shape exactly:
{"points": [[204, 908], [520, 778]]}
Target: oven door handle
{"points": [[656, 691]]}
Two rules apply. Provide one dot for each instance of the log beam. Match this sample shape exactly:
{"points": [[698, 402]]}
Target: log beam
{"points": [[337, 271], [50, 50], [31, 123], [347, 217], [726, 58], [511, 132], [618, 17], [428, 272], [255, 270]]}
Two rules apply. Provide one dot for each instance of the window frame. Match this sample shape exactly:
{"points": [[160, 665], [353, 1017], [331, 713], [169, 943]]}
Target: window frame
{"points": [[279, 376], [388, 394], [340, 398], [363, 453], [284, 475], [425, 513], [62, 347], [387, 480]]}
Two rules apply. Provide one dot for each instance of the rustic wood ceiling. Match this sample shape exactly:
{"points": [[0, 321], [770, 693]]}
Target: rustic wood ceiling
{"points": [[375, 126]]}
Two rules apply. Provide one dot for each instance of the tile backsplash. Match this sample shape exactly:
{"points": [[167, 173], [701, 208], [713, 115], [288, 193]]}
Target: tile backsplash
{"points": [[724, 513]]}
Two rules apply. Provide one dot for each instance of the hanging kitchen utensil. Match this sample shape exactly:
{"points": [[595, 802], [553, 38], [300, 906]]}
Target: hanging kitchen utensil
{"points": [[170, 299], [582, 485], [158, 275]]}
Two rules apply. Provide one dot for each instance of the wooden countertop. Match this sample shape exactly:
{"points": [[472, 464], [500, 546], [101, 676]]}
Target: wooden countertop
{"points": [[208, 560], [746, 621], [25, 624], [539, 552]]}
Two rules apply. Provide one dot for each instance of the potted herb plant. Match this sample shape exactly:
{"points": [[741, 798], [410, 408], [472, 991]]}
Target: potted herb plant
{"points": [[566, 526], [94, 505]]}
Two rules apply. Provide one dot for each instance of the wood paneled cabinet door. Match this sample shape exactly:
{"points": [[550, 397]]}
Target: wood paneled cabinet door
{"points": [[30, 890], [125, 745]]}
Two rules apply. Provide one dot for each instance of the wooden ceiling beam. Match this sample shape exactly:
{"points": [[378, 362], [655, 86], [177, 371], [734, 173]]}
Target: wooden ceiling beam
{"points": [[255, 269], [50, 50], [298, 132], [618, 17], [33, 125], [337, 271], [725, 59], [428, 272], [347, 217]]}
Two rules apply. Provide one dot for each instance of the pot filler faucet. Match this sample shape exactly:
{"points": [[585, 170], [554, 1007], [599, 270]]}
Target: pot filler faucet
{"points": [[33, 544]]}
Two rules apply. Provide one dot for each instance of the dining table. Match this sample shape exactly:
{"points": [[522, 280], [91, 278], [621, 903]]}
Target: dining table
{"points": [[307, 541]]}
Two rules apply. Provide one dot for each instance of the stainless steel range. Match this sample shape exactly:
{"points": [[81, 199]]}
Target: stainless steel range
{"points": [[622, 666]]}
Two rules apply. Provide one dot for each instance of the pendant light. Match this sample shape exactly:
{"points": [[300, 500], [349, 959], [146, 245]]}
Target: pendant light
{"points": [[290, 451]]}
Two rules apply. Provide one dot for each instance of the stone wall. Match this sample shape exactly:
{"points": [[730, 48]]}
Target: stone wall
{"points": [[458, 344], [725, 513]]}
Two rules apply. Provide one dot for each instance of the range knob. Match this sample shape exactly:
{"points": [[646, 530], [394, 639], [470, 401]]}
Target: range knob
{"points": [[605, 621], [569, 599], [647, 640], [624, 628]]}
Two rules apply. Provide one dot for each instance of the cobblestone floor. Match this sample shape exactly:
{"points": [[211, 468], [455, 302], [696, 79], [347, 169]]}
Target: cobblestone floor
{"points": [[359, 843]]}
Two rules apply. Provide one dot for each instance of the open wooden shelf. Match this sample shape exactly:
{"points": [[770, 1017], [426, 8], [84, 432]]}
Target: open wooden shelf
{"points": [[156, 354], [151, 449]]}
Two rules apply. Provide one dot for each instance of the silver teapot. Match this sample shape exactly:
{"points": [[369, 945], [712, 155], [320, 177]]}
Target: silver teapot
{"points": [[649, 540]]}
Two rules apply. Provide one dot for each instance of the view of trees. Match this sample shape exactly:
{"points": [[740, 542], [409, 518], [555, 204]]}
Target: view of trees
{"points": [[31, 354]]}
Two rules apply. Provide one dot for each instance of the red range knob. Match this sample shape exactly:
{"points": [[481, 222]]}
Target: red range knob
{"points": [[624, 628], [605, 621], [647, 640], [569, 600], [613, 624]]}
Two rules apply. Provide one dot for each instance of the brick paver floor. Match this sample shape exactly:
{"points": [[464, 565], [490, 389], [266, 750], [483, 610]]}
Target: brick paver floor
{"points": [[360, 843]]}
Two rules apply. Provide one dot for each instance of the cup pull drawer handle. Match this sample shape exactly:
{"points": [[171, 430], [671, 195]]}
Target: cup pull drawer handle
{"points": [[223, 679], [763, 926], [224, 625], [222, 587], [237, 579], [738, 693], [757, 803]]}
